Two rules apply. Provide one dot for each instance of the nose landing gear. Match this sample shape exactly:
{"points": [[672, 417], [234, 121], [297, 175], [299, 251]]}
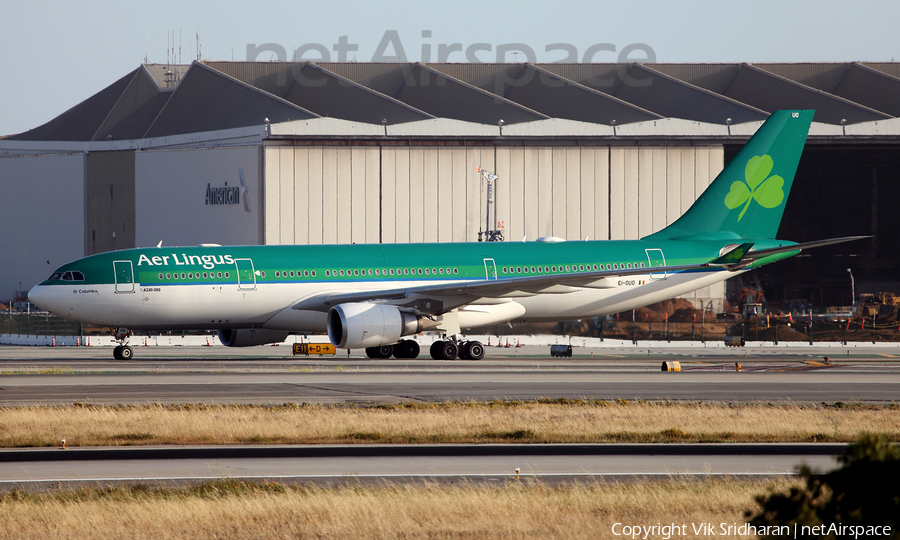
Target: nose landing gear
{"points": [[122, 351]]}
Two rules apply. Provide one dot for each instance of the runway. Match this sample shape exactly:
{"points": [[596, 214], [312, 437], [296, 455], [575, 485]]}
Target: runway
{"points": [[270, 375], [330, 465], [174, 375]]}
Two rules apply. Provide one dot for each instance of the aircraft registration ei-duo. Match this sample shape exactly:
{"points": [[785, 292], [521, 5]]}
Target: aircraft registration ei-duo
{"points": [[370, 296]]}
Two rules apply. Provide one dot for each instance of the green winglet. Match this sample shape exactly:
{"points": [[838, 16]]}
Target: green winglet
{"points": [[735, 255]]}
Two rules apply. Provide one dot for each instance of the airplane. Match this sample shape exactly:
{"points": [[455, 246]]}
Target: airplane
{"points": [[372, 295]]}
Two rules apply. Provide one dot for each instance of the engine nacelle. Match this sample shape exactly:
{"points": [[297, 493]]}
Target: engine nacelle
{"points": [[355, 326], [249, 337]]}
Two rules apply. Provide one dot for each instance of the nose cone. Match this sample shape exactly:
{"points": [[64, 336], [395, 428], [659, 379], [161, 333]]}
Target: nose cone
{"points": [[40, 296]]}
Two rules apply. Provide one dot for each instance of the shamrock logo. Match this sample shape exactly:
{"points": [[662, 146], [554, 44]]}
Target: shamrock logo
{"points": [[735, 255], [765, 189]]}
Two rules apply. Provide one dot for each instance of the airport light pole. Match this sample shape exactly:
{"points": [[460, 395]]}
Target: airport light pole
{"points": [[852, 288]]}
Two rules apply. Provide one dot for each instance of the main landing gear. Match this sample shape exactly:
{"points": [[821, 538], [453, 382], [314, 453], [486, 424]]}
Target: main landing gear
{"points": [[406, 348], [447, 349], [122, 351], [451, 349]]}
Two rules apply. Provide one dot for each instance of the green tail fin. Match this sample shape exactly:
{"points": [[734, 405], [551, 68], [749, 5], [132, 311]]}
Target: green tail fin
{"points": [[746, 200]]}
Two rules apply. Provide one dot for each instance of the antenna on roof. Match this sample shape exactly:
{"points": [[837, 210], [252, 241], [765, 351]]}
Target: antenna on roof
{"points": [[199, 50], [179, 45], [145, 46]]}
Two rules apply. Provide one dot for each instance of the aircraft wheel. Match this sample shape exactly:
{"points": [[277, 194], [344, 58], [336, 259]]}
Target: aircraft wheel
{"points": [[436, 350], [406, 349], [464, 351], [449, 350], [117, 352], [474, 350], [382, 351], [126, 353]]}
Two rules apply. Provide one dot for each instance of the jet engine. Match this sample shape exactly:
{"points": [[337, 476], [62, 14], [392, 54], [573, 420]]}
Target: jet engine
{"points": [[249, 337], [359, 325]]}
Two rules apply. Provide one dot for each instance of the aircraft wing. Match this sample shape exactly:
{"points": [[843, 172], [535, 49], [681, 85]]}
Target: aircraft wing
{"points": [[449, 295]]}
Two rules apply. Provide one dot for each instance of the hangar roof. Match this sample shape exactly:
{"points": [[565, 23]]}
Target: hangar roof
{"points": [[163, 100]]}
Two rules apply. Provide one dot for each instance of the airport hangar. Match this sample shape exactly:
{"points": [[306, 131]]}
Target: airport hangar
{"points": [[387, 152]]}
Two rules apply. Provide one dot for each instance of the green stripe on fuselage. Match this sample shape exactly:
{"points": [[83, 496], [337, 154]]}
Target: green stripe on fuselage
{"points": [[409, 262]]}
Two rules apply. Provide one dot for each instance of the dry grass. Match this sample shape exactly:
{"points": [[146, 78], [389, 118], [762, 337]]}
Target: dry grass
{"points": [[556, 421], [239, 511]]}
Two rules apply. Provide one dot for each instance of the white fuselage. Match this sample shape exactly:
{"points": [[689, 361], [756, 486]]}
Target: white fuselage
{"points": [[270, 305]]}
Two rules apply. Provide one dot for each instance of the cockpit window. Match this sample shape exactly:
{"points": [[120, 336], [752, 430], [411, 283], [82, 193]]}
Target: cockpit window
{"points": [[74, 275], [55, 276]]}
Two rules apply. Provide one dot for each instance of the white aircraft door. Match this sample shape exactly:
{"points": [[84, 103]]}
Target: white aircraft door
{"points": [[124, 275], [246, 275], [656, 259]]}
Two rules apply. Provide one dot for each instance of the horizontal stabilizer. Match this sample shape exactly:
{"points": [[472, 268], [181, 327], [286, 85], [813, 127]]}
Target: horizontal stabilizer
{"points": [[730, 260]]}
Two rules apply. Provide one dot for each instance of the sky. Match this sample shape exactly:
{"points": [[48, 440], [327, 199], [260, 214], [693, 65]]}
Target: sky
{"points": [[56, 54]]}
